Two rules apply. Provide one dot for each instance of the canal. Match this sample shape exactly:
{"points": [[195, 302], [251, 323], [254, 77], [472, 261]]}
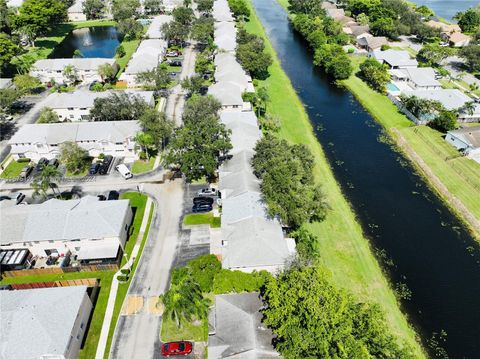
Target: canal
{"points": [[432, 254]]}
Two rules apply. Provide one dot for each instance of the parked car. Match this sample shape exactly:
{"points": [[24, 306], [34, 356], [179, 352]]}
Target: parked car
{"points": [[4, 198], [113, 196], [176, 348], [175, 63], [101, 197], [53, 162], [124, 171], [42, 162], [202, 207], [93, 168], [172, 54], [104, 167], [208, 200], [208, 192], [27, 171]]}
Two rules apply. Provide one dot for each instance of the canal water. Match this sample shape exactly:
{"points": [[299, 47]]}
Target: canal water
{"points": [[433, 255], [97, 41], [447, 8]]}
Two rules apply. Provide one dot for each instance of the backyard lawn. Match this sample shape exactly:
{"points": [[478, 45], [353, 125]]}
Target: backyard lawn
{"points": [[13, 169], [201, 218], [345, 251], [141, 166]]}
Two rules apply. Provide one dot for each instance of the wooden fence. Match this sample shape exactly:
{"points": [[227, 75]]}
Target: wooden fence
{"points": [[89, 282], [58, 270]]}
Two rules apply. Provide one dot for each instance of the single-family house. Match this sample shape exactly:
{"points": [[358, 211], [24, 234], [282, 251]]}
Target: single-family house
{"points": [[75, 12], [154, 29], [371, 43], [229, 95], [421, 78], [395, 59], [444, 27], [114, 138], [149, 55], [358, 31], [347, 21], [235, 328], [221, 11], [44, 322], [86, 69], [456, 39], [76, 106], [225, 36], [466, 140], [92, 230]]}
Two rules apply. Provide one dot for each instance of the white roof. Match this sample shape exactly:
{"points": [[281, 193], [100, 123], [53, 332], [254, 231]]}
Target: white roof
{"points": [[238, 329], [78, 63], [228, 93], [254, 242], [221, 11], [153, 31], [56, 133], [244, 136], [246, 205], [239, 162], [85, 218], [248, 117], [451, 99], [147, 56], [225, 36], [98, 252], [396, 58], [236, 183], [38, 322], [77, 7], [85, 99], [421, 76]]}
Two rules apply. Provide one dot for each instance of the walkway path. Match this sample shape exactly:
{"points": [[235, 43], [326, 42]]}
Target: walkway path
{"points": [[102, 342]]}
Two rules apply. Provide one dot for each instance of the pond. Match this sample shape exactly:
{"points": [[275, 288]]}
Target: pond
{"points": [[432, 253], [97, 41]]}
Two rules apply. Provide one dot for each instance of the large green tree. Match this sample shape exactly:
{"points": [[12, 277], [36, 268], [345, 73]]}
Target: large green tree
{"points": [[118, 107], [204, 5], [73, 157], [334, 61], [433, 54], [157, 78], [314, 319], [313, 7], [375, 74], [36, 17], [47, 115], [469, 21], [253, 57], [471, 54], [444, 121], [197, 146], [157, 125], [174, 30], [202, 30], [8, 49], [94, 9], [183, 15], [287, 181], [125, 9], [153, 7], [45, 180]]}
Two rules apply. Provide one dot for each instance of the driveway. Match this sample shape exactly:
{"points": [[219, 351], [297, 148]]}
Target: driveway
{"points": [[454, 65]]}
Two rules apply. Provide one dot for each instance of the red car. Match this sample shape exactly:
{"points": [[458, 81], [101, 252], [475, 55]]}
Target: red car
{"points": [[176, 348]]}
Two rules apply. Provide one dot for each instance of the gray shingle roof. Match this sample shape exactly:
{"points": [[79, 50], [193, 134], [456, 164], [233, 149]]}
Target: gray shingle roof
{"points": [[85, 218], [227, 93], [236, 183], [55, 133], [225, 35], [421, 76], [153, 31], [254, 242], [85, 99], [469, 135], [246, 205], [147, 56], [451, 99], [239, 332], [395, 58], [37, 322], [221, 11], [78, 63]]}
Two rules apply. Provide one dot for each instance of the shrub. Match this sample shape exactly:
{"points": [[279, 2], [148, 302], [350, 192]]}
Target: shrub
{"points": [[125, 271], [23, 160], [203, 270], [122, 278], [227, 281], [120, 51], [97, 87], [101, 156]]}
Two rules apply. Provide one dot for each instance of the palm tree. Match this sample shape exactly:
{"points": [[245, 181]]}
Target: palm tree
{"points": [[184, 301], [145, 141], [45, 180], [106, 72], [70, 72], [468, 108]]}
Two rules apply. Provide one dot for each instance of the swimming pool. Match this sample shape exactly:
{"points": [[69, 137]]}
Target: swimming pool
{"points": [[392, 87]]}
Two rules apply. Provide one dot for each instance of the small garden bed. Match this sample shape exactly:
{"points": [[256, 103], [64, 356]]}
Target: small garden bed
{"points": [[202, 218]]}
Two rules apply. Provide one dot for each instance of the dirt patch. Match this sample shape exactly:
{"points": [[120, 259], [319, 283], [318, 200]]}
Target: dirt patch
{"points": [[133, 305]]}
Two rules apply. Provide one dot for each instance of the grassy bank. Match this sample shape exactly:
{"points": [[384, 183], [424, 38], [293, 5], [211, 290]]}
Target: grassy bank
{"points": [[460, 175], [345, 251]]}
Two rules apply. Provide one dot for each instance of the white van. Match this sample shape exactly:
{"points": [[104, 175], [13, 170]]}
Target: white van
{"points": [[124, 171]]}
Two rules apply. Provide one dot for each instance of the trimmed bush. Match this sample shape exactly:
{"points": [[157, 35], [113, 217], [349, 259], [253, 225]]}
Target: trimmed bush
{"points": [[23, 160], [125, 271], [227, 281], [122, 278]]}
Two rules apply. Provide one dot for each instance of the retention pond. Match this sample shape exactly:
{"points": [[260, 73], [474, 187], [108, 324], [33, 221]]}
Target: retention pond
{"points": [[431, 252]]}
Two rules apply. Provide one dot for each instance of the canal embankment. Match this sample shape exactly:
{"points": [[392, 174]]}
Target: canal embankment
{"points": [[344, 249]]}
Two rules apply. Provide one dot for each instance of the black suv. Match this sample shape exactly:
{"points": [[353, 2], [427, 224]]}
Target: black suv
{"points": [[42, 162], [107, 161], [198, 200], [113, 196], [202, 207], [93, 169]]}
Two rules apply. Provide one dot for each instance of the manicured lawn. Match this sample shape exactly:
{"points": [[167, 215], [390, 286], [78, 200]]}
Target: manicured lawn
{"points": [[345, 251], [93, 334], [141, 166], [201, 218], [123, 289], [461, 175], [13, 169], [187, 331]]}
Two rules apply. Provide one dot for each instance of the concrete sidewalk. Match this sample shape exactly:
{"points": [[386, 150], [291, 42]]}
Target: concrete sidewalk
{"points": [[102, 342]]}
